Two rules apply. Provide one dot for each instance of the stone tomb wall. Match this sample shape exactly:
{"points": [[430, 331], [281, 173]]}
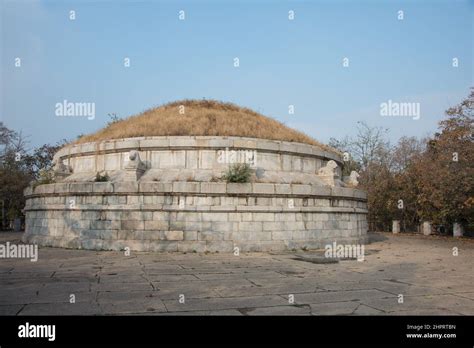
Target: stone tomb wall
{"points": [[199, 158], [193, 216]]}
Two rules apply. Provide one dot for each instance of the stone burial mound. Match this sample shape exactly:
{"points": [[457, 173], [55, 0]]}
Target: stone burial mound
{"points": [[196, 176]]}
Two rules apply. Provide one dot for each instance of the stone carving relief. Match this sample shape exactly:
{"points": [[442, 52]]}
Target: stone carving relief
{"points": [[352, 180], [328, 173], [61, 170], [135, 167]]}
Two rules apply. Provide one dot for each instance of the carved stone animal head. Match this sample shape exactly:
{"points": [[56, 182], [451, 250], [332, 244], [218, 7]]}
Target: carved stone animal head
{"points": [[331, 164], [134, 155], [354, 175]]}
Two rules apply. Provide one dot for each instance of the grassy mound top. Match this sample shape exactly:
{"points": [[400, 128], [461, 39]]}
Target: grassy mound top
{"points": [[200, 117]]}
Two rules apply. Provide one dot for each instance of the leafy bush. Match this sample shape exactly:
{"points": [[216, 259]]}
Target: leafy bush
{"points": [[44, 177], [101, 178], [239, 172]]}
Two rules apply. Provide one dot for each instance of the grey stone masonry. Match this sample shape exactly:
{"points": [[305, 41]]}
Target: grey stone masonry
{"points": [[188, 216], [168, 194], [199, 158]]}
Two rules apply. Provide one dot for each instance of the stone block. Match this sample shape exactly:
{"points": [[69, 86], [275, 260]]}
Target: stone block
{"points": [[173, 159], [268, 161], [155, 187], [239, 188], [192, 159], [182, 141], [250, 226], [220, 143], [220, 246], [105, 224], [263, 188], [161, 215], [314, 225], [263, 201], [186, 187], [154, 143], [287, 147], [192, 246], [132, 215], [320, 190], [268, 145], [88, 147], [99, 234], [190, 235], [458, 230], [132, 225], [212, 187], [177, 225], [125, 187], [264, 217], [210, 235], [188, 216], [395, 226], [297, 164], [174, 235], [82, 187], [102, 187], [283, 189], [218, 226], [163, 246], [207, 159], [426, 228], [273, 226], [245, 143], [235, 217], [252, 235], [127, 144], [282, 235], [309, 165], [156, 225], [214, 216], [61, 188], [194, 225], [298, 189], [286, 163], [285, 217]]}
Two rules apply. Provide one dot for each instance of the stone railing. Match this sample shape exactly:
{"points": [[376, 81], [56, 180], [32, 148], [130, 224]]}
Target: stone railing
{"points": [[196, 158]]}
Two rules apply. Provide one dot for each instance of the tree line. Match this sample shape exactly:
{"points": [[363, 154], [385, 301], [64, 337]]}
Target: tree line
{"points": [[417, 179], [19, 166]]}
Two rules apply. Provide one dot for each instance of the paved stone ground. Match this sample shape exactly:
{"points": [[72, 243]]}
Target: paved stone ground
{"points": [[422, 269]]}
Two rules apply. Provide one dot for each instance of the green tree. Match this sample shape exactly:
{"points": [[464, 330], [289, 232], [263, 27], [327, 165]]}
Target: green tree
{"points": [[18, 167]]}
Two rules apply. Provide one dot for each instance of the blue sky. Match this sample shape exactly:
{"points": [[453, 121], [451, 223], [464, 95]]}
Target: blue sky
{"points": [[282, 62]]}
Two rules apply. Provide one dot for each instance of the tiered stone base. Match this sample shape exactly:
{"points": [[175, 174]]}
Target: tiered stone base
{"points": [[193, 216]]}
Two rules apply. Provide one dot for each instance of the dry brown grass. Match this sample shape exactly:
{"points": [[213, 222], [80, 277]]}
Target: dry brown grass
{"points": [[201, 117]]}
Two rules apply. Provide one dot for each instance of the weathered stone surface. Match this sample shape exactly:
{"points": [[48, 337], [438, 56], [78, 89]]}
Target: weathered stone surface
{"points": [[264, 188], [395, 226], [107, 282], [174, 235], [207, 187], [458, 230], [162, 191], [239, 188], [426, 228], [328, 173], [125, 187]]}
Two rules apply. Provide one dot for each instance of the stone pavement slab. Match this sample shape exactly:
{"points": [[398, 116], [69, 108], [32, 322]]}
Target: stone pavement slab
{"points": [[423, 269]]}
